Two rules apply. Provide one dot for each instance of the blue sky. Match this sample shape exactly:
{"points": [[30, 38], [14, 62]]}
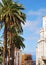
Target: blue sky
{"points": [[34, 10]]}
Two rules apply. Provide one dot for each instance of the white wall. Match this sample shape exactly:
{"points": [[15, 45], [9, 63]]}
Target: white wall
{"points": [[41, 46], [17, 56]]}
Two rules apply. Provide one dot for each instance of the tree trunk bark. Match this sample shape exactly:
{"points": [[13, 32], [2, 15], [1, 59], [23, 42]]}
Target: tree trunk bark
{"points": [[5, 45], [11, 62]]}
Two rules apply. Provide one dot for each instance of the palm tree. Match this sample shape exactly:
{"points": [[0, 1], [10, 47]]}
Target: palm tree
{"points": [[10, 13], [14, 40], [18, 43]]}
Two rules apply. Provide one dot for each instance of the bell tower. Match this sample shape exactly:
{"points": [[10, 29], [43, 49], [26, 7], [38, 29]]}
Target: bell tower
{"points": [[41, 46], [44, 21], [44, 25]]}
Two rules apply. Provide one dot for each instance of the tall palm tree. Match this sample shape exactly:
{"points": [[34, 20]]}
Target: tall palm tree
{"points": [[10, 12], [15, 41], [18, 43]]}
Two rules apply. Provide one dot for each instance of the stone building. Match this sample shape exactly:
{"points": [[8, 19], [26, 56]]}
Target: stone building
{"points": [[41, 46], [17, 56]]}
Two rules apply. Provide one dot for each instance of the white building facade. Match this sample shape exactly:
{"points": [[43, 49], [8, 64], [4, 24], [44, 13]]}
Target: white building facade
{"points": [[17, 57], [41, 46]]}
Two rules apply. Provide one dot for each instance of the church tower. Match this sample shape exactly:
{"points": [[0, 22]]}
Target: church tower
{"points": [[41, 46], [44, 26]]}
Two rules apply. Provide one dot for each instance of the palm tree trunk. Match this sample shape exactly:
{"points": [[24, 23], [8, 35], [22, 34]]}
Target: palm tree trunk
{"points": [[12, 54], [5, 45], [11, 62]]}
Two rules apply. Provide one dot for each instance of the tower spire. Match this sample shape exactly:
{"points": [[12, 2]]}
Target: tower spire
{"points": [[44, 21], [44, 25]]}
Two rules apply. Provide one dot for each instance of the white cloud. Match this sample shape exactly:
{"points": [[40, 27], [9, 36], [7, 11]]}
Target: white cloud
{"points": [[35, 25], [38, 12], [33, 28], [33, 13]]}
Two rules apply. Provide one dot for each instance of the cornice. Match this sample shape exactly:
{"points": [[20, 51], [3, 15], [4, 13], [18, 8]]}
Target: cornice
{"points": [[41, 40]]}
